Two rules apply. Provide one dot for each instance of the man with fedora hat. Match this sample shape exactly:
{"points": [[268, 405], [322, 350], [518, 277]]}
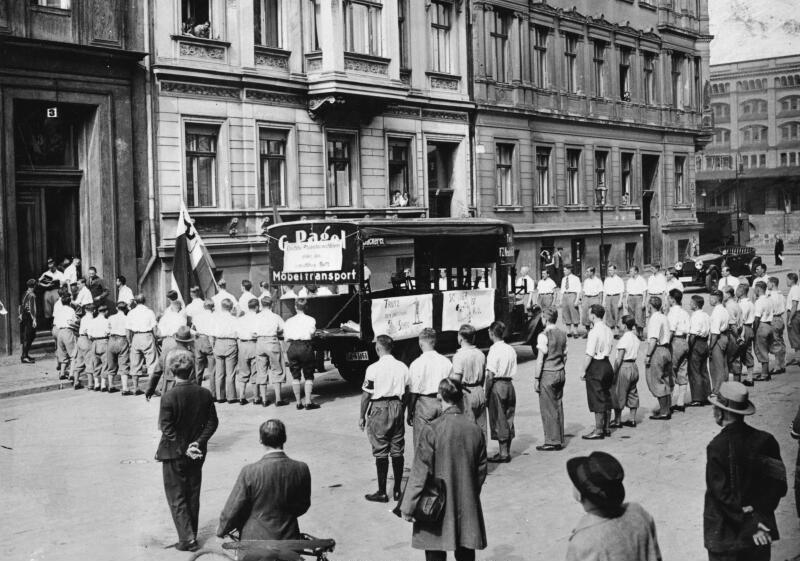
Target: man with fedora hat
{"points": [[611, 528], [745, 480], [183, 342]]}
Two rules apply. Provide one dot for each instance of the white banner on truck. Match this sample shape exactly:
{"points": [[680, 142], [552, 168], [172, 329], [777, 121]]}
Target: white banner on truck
{"points": [[301, 257], [475, 307], [403, 317]]}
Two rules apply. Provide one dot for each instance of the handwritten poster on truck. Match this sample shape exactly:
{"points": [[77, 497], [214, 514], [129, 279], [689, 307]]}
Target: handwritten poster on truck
{"points": [[402, 317], [313, 253], [475, 307]]}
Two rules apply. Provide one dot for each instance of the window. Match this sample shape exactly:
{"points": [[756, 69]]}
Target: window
{"points": [[573, 177], [680, 186], [600, 159], [62, 4], [793, 159], [272, 150], [543, 191], [314, 25], [571, 63], [599, 68], [196, 18], [441, 14], [677, 81], [754, 106], [721, 111], [754, 134], [625, 74], [540, 38], [506, 195], [402, 31], [626, 184], [784, 159], [722, 136], [499, 34], [790, 131], [340, 169], [267, 22], [362, 26], [719, 162], [649, 78], [790, 103], [201, 165], [630, 255], [401, 191]]}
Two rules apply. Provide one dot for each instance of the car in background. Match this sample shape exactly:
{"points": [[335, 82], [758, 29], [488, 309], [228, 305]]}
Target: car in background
{"points": [[705, 270]]}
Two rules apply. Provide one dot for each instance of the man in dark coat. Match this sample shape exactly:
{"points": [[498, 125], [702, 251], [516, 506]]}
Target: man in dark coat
{"points": [[270, 494], [452, 448], [795, 432], [745, 480], [187, 419], [778, 250]]}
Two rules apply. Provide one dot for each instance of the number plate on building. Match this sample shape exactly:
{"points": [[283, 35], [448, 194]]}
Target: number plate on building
{"points": [[357, 355]]}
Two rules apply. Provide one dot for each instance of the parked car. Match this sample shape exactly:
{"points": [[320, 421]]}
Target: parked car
{"points": [[705, 270]]}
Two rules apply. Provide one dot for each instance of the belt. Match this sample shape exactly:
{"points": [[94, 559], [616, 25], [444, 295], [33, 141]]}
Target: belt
{"points": [[630, 360], [117, 335], [429, 395], [618, 294], [142, 332], [767, 322], [502, 379], [203, 334], [474, 385], [663, 346], [98, 338], [748, 325], [305, 341], [388, 398], [592, 295], [679, 336], [247, 340], [226, 338], [267, 336], [701, 336]]}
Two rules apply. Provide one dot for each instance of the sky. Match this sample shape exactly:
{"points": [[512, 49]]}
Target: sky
{"points": [[749, 29]]}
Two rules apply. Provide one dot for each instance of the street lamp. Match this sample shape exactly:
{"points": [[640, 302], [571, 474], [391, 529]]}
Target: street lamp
{"points": [[600, 199], [738, 170]]}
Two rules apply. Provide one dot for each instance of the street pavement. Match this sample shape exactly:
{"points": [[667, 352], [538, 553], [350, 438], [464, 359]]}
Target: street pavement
{"points": [[79, 481]]}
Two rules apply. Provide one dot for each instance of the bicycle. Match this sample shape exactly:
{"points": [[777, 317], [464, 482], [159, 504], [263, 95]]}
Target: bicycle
{"points": [[271, 550]]}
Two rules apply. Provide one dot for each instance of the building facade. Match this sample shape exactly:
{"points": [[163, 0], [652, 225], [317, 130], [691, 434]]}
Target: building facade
{"points": [[575, 95], [73, 156], [306, 108], [748, 175]]}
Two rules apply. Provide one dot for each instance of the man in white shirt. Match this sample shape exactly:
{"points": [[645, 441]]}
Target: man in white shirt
{"points": [[204, 326], [469, 368], [635, 290], [171, 320], [545, 291], [613, 291], [195, 305], [141, 324], [385, 385], [50, 281], [734, 332], [658, 360], [570, 288], [298, 332], [626, 375], [223, 294], [699, 330], [501, 367], [524, 287], [84, 296], [264, 287], [673, 282], [761, 275], [793, 316], [98, 331], [778, 346], [226, 352], [762, 325], [591, 293], [118, 355], [247, 335], [63, 315], [425, 373], [746, 335], [71, 271], [598, 373], [124, 293], [247, 295], [657, 284], [718, 342], [679, 324], [726, 279], [83, 353], [269, 366]]}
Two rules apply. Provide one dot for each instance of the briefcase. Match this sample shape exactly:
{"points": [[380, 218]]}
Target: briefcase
{"points": [[430, 507]]}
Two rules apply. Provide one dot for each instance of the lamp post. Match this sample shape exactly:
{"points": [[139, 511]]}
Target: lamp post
{"points": [[600, 199], [739, 169]]}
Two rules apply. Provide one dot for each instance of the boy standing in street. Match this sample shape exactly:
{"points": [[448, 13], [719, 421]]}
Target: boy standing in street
{"points": [[501, 367]]}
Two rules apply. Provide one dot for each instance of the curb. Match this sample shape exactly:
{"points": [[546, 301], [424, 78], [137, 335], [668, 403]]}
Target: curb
{"points": [[51, 386]]}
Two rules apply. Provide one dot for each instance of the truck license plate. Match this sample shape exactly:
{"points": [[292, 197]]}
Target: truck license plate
{"points": [[685, 279], [357, 355]]}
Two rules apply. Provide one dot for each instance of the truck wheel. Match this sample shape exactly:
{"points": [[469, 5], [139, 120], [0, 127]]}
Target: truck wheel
{"points": [[712, 280], [351, 372]]}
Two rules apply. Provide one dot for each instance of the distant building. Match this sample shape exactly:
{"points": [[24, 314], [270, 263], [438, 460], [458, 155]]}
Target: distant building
{"points": [[574, 94], [755, 152]]}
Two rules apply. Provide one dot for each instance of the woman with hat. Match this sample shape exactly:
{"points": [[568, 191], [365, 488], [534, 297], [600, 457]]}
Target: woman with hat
{"points": [[611, 528]]}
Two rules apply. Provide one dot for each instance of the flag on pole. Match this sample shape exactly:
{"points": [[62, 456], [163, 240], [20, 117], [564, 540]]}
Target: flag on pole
{"points": [[191, 265]]}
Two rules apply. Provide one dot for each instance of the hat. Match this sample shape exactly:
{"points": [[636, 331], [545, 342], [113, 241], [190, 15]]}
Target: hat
{"points": [[598, 477], [733, 397], [184, 335]]}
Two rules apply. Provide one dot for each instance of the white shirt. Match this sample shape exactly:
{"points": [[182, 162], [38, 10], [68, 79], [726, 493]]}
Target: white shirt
{"points": [[592, 286], [269, 323], [62, 315], [84, 297], [220, 296], [299, 327], [170, 322], [763, 309], [700, 324], [679, 320], [600, 341], [247, 326], [141, 319], [203, 322], [85, 321], [225, 325], [527, 283], [731, 281], [470, 363], [794, 296], [778, 302], [388, 377], [734, 313], [657, 284], [748, 311], [674, 283], [117, 324], [244, 300], [613, 286], [427, 371], [289, 294], [125, 294], [629, 343], [98, 327], [658, 328], [546, 286], [636, 286], [70, 274], [194, 307], [719, 320], [502, 360], [571, 283], [53, 275]]}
